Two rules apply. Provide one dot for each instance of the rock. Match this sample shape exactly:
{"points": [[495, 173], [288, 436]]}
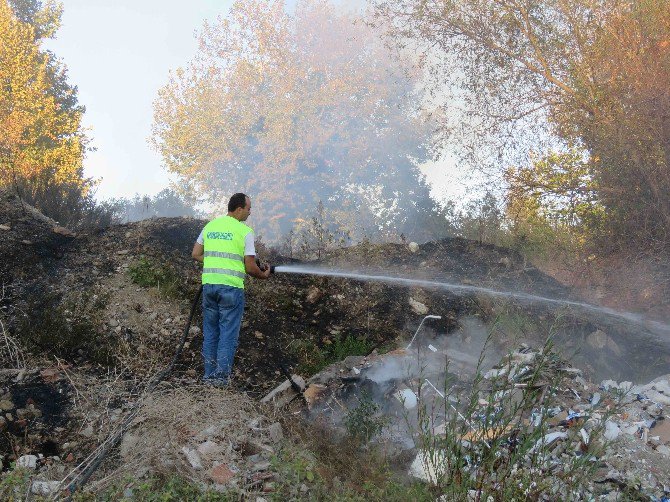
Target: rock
{"points": [[44, 488], [664, 450], [113, 323], [27, 462], [220, 474], [209, 448], [192, 457], [6, 405], [313, 295], [275, 432], [3, 424], [609, 384], [5, 227], [417, 306], [413, 247], [64, 231]]}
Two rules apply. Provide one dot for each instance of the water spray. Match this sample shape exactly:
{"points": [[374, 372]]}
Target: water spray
{"points": [[653, 326]]}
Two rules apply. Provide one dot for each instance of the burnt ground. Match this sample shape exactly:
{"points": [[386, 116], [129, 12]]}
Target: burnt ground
{"points": [[70, 299]]}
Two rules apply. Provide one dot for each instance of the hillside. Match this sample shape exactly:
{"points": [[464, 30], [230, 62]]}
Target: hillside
{"points": [[89, 318]]}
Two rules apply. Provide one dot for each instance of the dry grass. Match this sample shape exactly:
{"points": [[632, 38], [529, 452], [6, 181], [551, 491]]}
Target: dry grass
{"points": [[174, 417]]}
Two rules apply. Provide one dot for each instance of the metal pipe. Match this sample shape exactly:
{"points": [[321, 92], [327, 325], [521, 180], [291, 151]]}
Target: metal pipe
{"points": [[429, 316]]}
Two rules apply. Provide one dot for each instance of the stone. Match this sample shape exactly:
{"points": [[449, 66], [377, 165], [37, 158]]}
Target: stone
{"points": [[5, 227], [413, 247], [221, 474], [418, 307], [113, 323], [276, 433], [64, 231], [44, 488], [209, 448], [6, 405], [313, 295], [192, 457], [27, 462]]}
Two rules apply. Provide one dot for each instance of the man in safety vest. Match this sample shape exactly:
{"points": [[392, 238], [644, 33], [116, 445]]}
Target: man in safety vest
{"points": [[226, 248]]}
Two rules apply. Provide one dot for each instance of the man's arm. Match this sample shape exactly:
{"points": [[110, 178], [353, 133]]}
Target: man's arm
{"points": [[253, 270], [198, 252]]}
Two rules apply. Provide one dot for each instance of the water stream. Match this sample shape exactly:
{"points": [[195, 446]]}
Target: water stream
{"points": [[654, 327]]}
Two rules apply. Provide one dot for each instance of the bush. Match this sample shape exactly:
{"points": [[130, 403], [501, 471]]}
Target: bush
{"points": [[148, 273]]}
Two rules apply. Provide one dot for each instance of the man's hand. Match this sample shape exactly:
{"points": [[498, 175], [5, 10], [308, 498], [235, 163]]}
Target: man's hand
{"points": [[254, 270]]}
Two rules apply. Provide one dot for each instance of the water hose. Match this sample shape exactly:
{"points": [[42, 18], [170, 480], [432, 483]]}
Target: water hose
{"points": [[114, 439]]}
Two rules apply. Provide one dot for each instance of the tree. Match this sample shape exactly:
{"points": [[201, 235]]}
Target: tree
{"points": [[42, 141], [296, 109], [575, 74]]}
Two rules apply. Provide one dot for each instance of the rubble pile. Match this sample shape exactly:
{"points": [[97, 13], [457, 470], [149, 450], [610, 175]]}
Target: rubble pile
{"points": [[544, 426]]}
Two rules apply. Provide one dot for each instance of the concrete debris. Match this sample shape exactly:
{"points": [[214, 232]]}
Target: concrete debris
{"points": [[413, 247], [284, 393]]}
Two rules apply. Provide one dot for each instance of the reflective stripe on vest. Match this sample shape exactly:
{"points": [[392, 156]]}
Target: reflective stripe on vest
{"points": [[223, 240]]}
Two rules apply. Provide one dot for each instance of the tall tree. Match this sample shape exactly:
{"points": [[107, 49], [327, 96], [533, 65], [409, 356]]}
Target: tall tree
{"points": [[296, 109], [42, 141], [592, 74]]}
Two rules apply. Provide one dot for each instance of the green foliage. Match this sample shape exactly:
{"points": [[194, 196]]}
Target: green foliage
{"points": [[14, 485], [506, 455], [312, 358], [149, 273], [363, 422], [587, 76]]}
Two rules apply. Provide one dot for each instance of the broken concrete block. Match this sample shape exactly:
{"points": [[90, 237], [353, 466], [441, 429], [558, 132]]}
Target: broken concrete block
{"points": [[281, 395], [429, 467]]}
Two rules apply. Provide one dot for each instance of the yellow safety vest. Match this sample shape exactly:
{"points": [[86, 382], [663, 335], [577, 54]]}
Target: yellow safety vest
{"points": [[223, 239]]}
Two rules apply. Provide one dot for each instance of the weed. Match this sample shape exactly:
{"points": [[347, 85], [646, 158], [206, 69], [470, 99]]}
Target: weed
{"points": [[505, 454], [363, 422], [14, 485], [312, 358], [148, 273]]}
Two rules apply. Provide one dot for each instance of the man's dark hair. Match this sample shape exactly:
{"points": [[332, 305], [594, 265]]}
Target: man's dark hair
{"points": [[237, 200]]}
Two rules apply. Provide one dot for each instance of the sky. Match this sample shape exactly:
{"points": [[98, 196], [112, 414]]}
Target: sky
{"points": [[119, 54]]}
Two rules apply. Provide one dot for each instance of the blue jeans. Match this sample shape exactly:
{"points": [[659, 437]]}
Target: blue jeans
{"points": [[222, 309]]}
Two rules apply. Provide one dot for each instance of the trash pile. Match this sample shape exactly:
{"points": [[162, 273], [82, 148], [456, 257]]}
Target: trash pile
{"points": [[532, 419]]}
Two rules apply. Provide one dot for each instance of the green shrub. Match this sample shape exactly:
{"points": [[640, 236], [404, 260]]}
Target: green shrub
{"points": [[363, 422], [149, 273], [312, 358]]}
